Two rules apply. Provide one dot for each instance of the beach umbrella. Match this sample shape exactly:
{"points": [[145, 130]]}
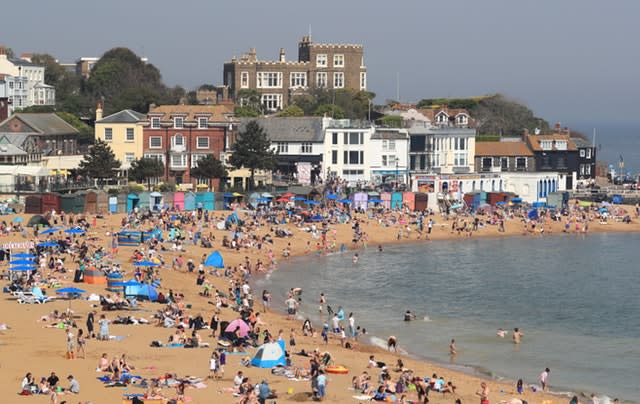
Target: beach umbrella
{"points": [[311, 202], [47, 244], [74, 231], [214, 260], [236, 194], [228, 195], [145, 264], [516, 200], [332, 196], [17, 219], [50, 230], [299, 198], [23, 255], [74, 291], [267, 195], [239, 324], [500, 203], [21, 262], [345, 201], [21, 268], [282, 200], [375, 200], [288, 195], [263, 200]]}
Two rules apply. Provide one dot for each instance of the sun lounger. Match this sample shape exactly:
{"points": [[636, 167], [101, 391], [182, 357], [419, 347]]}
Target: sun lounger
{"points": [[27, 298]]}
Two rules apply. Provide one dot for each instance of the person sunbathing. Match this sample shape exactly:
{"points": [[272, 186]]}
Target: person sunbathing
{"points": [[103, 363]]}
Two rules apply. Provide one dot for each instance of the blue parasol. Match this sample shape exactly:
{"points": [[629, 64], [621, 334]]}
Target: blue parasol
{"points": [[21, 262], [299, 198], [71, 291], [311, 202], [345, 201], [145, 264], [375, 201], [50, 230], [47, 244], [332, 196], [23, 255], [17, 219], [74, 231], [23, 268]]}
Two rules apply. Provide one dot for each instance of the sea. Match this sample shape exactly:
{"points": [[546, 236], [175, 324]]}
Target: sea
{"points": [[616, 141], [575, 299]]}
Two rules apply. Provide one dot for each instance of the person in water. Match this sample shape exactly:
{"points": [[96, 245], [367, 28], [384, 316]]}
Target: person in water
{"points": [[408, 316], [517, 335]]}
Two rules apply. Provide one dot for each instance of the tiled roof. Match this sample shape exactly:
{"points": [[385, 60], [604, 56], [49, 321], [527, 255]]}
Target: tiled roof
{"points": [[124, 116], [502, 149], [534, 141], [215, 113], [303, 129]]}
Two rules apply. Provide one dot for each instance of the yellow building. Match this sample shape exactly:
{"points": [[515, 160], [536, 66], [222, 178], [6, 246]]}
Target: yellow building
{"points": [[123, 134]]}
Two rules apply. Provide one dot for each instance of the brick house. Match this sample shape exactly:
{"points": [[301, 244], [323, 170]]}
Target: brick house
{"points": [[180, 135]]}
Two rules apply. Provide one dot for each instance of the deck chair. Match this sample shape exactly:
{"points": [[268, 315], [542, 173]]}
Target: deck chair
{"points": [[27, 298], [37, 292]]}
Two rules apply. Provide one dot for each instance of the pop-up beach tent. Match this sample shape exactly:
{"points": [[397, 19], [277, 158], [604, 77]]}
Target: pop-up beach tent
{"points": [[214, 260], [269, 355]]}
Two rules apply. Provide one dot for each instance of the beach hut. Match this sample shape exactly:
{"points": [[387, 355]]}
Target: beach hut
{"points": [[409, 199], [360, 200], [218, 203], [50, 201], [396, 200], [155, 201], [33, 204], [189, 201], [95, 277], [421, 200], [73, 203], [133, 201], [167, 200], [113, 204], [386, 200], [145, 201], [121, 204], [102, 202], [270, 355], [178, 200], [91, 202], [205, 200]]}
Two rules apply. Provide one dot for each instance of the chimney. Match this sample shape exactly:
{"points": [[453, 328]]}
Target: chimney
{"points": [[99, 111], [252, 55], [282, 55], [4, 108]]}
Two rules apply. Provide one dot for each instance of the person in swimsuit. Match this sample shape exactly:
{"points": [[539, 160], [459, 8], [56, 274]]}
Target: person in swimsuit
{"points": [[392, 343], [408, 316]]}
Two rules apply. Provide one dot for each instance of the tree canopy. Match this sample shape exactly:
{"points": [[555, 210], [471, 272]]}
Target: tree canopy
{"points": [[498, 115], [252, 150], [340, 104], [209, 167], [99, 162], [144, 169]]}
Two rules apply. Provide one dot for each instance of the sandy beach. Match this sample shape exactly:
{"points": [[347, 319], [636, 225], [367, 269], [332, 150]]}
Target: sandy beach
{"points": [[27, 346]]}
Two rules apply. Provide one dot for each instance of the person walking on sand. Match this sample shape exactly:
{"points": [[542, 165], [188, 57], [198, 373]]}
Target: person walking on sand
{"points": [[483, 393], [544, 377], [80, 342], [70, 344]]}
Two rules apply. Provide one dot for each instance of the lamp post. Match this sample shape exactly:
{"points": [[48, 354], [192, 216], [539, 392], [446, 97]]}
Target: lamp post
{"points": [[397, 181]]}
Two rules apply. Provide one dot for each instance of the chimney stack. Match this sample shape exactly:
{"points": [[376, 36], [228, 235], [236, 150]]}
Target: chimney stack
{"points": [[99, 111], [282, 55]]}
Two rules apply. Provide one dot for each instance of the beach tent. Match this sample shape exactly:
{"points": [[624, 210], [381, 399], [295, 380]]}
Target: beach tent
{"points": [[132, 202], [189, 201], [269, 355], [145, 198], [155, 201], [178, 200], [37, 220], [396, 200], [240, 325], [360, 200], [215, 260], [143, 291]]}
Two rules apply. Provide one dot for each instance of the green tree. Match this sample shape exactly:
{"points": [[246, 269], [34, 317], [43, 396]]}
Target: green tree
{"points": [[332, 111], [86, 135], [245, 111], [144, 169], [391, 121], [252, 150], [498, 115], [291, 111], [100, 163], [209, 167]]}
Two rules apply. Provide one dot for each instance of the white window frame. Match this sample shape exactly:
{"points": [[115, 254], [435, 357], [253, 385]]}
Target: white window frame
{"points": [[306, 148], [546, 144], [282, 147], [178, 122], [132, 132], [156, 156], [321, 79], [338, 60], [200, 122], [244, 79], [155, 122], [298, 80], [271, 102], [129, 157], [460, 159], [176, 137], [197, 157], [198, 138], [183, 160], [392, 145], [108, 134], [363, 81], [338, 79], [321, 60], [151, 139], [269, 80], [588, 153]]}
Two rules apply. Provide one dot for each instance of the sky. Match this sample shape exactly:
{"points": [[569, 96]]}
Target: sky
{"points": [[571, 61]]}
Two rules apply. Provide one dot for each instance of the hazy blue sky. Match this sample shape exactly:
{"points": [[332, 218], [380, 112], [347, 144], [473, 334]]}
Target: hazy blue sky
{"points": [[574, 61]]}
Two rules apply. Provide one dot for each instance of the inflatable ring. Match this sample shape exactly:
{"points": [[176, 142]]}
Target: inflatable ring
{"points": [[338, 370]]}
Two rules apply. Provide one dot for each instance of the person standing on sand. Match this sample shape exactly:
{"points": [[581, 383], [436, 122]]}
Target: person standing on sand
{"points": [[517, 335], [483, 393], [544, 377], [90, 320], [70, 344]]}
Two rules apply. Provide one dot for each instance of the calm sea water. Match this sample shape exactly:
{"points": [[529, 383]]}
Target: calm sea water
{"points": [[575, 299], [614, 140]]}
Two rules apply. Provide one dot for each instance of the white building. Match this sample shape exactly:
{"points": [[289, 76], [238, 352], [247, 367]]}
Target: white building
{"points": [[388, 150], [15, 90], [347, 153], [30, 77], [441, 150]]}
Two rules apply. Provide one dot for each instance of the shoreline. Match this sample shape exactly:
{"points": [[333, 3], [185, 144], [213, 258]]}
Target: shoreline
{"points": [[43, 350]]}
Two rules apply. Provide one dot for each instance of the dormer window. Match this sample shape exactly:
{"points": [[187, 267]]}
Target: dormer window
{"points": [[178, 122], [442, 118], [546, 144], [462, 119], [561, 145]]}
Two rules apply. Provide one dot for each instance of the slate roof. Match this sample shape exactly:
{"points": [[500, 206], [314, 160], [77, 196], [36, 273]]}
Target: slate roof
{"points": [[43, 124], [124, 116], [21, 62], [302, 129], [503, 149]]}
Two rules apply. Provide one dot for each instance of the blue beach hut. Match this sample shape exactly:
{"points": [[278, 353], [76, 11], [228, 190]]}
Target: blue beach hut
{"points": [[133, 202], [144, 200], [189, 201]]}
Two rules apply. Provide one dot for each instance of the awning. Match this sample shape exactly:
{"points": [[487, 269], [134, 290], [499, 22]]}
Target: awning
{"points": [[34, 171], [62, 162]]}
